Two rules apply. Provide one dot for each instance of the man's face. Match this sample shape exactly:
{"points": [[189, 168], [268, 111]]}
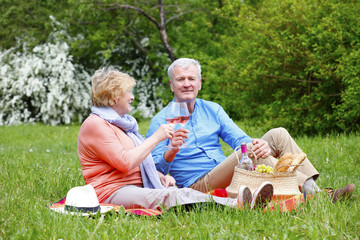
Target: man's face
{"points": [[185, 84]]}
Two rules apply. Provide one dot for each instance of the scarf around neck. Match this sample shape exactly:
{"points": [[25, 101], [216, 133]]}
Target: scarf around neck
{"points": [[128, 123]]}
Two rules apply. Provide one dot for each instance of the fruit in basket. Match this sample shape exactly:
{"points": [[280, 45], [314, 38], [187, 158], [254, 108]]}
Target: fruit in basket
{"points": [[269, 169], [262, 168]]}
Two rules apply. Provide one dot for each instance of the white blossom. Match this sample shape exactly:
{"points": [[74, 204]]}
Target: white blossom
{"points": [[42, 85], [45, 85]]}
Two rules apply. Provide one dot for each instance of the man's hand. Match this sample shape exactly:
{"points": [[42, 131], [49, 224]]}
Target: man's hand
{"points": [[261, 148], [176, 142], [167, 181], [179, 137]]}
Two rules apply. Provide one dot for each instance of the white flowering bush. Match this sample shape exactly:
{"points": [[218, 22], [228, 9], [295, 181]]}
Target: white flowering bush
{"points": [[147, 107], [42, 85]]}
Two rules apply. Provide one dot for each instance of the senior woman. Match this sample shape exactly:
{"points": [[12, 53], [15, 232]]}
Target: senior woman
{"points": [[117, 161]]}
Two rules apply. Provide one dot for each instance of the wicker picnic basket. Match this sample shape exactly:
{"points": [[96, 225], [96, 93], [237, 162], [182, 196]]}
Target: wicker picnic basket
{"points": [[285, 183]]}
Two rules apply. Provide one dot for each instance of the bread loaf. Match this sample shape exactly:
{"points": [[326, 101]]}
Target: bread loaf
{"points": [[299, 158], [283, 163]]}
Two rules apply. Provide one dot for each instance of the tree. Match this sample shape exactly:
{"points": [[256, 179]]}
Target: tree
{"points": [[160, 24], [288, 64], [28, 20], [134, 36]]}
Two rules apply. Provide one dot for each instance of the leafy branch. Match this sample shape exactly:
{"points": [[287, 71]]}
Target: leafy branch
{"points": [[160, 24]]}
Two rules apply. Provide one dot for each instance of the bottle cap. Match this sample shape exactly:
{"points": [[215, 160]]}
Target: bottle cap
{"points": [[243, 147]]}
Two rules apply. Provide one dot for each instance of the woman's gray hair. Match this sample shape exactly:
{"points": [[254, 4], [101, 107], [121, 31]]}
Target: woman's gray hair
{"points": [[184, 63]]}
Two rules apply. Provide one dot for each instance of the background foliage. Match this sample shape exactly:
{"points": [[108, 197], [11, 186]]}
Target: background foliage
{"points": [[279, 63], [287, 63]]}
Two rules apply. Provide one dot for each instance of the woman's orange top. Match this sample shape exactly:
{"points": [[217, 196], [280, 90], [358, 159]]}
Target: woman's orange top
{"points": [[104, 156]]}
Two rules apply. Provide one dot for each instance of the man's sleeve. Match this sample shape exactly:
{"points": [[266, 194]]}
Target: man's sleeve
{"points": [[158, 152], [230, 132]]}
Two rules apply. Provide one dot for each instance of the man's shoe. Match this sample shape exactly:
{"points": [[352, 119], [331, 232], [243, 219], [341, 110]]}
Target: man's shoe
{"points": [[343, 193], [262, 195], [244, 197]]}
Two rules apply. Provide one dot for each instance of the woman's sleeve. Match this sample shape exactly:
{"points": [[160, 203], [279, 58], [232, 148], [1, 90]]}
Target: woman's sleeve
{"points": [[99, 139]]}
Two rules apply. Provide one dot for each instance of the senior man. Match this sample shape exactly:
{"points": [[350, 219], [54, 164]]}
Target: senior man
{"points": [[204, 165]]}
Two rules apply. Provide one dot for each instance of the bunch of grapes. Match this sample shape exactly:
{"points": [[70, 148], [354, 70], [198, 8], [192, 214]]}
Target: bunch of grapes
{"points": [[262, 168]]}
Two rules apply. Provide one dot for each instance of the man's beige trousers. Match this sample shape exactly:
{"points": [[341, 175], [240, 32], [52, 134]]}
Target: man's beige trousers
{"points": [[280, 143]]}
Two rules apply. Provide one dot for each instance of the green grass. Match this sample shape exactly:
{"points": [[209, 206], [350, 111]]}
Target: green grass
{"points": [[39, 164]]}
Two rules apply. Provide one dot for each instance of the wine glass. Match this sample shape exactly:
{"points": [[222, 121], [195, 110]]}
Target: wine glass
{"points": [[184, 118], [177, 112], [172, 116], [184, 114]]}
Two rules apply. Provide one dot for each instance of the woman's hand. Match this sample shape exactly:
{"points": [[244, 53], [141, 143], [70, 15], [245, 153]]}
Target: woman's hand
{"points": [[167, 181], [165, 131], [261, 148]]}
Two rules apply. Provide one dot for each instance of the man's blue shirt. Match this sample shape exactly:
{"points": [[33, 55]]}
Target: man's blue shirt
{"points": [[208, 123]]}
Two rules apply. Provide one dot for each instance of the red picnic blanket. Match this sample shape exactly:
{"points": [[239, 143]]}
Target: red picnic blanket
{"points": [[278, 203]]}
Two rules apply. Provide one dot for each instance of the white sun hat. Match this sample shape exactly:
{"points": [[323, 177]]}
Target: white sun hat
{"points": [[83, 201]]}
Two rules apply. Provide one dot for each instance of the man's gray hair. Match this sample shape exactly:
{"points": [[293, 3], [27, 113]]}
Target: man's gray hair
{"points": [[184, 63]]}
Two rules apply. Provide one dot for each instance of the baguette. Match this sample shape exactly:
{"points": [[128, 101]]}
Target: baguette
{"points": [[283, 163], [299, 158]]}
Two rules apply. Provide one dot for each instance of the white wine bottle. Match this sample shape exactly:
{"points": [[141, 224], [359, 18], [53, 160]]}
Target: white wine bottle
{"points": [[245, 162]]}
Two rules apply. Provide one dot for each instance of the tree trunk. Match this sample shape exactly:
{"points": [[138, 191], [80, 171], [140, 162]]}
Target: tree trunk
{"points": [[163, 33]]}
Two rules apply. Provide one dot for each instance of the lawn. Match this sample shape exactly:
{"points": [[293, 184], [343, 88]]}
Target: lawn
{"points": [[39, 164]]}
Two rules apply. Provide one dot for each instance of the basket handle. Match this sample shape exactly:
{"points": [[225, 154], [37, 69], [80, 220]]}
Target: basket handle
{"points": [[255, 158]]}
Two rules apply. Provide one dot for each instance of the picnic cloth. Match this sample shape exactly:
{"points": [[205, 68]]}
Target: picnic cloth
{"points": [[278, 203], [116, 208]]}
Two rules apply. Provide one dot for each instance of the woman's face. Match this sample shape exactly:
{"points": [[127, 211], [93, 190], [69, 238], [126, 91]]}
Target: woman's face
{"points": [[123, 103]]}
